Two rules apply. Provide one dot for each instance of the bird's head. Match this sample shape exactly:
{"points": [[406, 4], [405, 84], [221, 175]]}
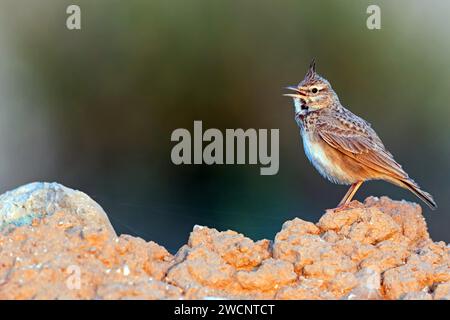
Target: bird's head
{"points": [[312, 93]]}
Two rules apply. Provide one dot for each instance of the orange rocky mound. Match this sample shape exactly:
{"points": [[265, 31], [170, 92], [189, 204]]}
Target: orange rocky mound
{"points": [[57, 243]]}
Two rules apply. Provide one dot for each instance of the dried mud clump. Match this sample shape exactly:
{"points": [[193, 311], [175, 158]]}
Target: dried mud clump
{"points": [[57, 243]]}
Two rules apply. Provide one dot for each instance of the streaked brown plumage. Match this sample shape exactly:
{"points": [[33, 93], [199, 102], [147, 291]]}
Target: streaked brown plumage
{"points": [[342, 146]]}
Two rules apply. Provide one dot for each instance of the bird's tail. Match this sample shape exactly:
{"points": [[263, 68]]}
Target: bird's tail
{"points": [[414, 188]]}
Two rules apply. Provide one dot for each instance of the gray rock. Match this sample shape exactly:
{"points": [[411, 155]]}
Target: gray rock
{"points": [[20, 206]]}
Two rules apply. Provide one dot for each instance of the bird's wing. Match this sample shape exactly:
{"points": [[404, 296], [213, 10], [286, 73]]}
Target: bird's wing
{"points": [[355, 138]]}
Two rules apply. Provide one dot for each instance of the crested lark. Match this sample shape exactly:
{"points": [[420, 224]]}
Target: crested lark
{"points": [[342, 146]]}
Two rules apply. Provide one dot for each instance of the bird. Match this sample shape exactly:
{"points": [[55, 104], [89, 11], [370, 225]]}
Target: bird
{"points": [[342, 146]]}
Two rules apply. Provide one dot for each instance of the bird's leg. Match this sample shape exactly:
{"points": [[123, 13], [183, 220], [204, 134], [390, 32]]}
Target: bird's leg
{"points": [[350, 193]]}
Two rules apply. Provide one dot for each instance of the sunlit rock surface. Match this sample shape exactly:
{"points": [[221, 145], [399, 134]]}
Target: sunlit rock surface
{"points": [[57, 243]]}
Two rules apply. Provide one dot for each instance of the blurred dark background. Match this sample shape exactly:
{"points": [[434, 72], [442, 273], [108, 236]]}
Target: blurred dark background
{"points": [[94, 109]]}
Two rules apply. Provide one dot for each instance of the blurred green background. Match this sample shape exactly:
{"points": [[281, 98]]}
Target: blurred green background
{"points": [[94, 109]]}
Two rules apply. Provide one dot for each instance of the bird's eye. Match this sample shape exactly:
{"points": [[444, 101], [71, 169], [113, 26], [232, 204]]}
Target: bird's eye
{"points": [[314, 90]]}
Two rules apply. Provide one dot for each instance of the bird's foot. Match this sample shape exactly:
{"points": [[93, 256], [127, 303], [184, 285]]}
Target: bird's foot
{"points": [[343, 206]]}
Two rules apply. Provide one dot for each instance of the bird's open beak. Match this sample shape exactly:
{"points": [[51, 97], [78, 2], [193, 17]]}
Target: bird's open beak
{"points": [[293, 88], [292, 95], [297, 94]]}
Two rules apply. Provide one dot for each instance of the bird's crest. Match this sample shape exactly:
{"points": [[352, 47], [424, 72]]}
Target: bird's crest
{"points": [[311, 74]]}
